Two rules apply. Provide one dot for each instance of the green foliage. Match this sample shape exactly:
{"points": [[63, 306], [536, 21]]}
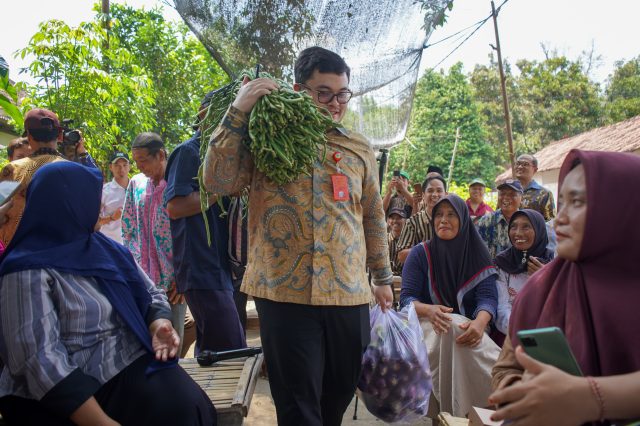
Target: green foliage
{"points": [[145, 74], [442, 103], [110, 107], [178, 65], [623, 91], [9, 94], [548, 100], [559, 101]]}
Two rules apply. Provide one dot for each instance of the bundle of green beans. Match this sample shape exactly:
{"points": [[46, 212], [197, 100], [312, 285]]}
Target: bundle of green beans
{"points": [[286, 131]]}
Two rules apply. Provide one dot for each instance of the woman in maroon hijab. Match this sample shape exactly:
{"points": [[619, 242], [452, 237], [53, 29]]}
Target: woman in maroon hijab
{"points": [[591, 291]]}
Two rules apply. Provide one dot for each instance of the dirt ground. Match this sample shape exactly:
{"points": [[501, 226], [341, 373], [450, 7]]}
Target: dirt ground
{"points": [[262, 412]]}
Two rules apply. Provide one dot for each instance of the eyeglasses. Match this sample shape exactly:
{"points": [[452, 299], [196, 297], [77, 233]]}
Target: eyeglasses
{"points": [[326, 97], [523, 163]]}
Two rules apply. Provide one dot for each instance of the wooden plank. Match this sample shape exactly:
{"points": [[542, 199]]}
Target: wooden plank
{"points": [[230, 384], [253, 380], [243, 382]]}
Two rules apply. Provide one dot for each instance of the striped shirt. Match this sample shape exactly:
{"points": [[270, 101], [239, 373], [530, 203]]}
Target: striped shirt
{"points": [[55, 323], [416, 230], [396, 267]]}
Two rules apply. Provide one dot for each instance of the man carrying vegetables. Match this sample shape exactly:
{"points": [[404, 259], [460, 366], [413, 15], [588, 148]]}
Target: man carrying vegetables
{"points": [[310, 242]]}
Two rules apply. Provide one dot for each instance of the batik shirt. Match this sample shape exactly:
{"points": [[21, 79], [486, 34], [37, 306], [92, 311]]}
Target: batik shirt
{"points": [[537, 198], [396, 266], [304, 246], [146, 231], [494, 231], [416, 230]]}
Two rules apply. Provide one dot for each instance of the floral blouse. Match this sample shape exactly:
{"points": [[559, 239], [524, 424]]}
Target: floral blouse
{"points": [[145, 229]]}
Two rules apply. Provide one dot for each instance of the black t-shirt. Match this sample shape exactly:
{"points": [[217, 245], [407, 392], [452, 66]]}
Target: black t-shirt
{"points": [[198, 266]]}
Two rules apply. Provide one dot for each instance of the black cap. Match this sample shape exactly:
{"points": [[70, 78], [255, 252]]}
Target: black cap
{"points": [[400, 212], [513, 184], [148, 140], [117, 156]]}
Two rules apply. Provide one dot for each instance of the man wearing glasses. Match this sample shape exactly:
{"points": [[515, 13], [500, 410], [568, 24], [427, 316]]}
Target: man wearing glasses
{"points": [[309, 248], [535, 197]]}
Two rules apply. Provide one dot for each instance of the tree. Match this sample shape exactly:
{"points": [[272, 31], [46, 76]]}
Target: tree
{"points": [[179, 66], [8, 94], [151, 77], [558, 100], [548, 100], [485, 81], [442, 103], [623, 91], [111, 107]]}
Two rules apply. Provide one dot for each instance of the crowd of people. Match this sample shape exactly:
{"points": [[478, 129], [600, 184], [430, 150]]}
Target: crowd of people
{"points": [[105, 283]]}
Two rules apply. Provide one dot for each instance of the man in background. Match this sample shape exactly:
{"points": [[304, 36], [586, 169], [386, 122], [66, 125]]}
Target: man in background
{"points": [[398, 195], [202, 269], [113, 193], [18, 148], [145, 222], [534, 196], [494, 227], [395, 222], [475, 203]]}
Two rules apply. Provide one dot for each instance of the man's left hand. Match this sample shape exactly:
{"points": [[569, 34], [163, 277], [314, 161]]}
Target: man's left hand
{"points": [[384, 296], [164, 339]]}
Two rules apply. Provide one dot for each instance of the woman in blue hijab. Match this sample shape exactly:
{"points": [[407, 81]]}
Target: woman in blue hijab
{"points": [[85, 337]]}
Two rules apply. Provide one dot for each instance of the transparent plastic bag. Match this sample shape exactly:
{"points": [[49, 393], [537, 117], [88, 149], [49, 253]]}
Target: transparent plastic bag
{"points": [[396, 382]]}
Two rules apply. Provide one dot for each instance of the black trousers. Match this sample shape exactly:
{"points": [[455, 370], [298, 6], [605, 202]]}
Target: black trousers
{"points": [[218, 327], [167, 397], [313, 356]]}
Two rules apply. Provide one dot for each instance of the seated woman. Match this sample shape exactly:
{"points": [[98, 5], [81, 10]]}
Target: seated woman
{"points": [[85, 337], [452, 283], [528, 236], [590, 291]]}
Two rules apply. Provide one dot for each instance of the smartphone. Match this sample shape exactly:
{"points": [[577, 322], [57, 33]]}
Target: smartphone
{"points": [[549, 345], [7, 190], [417, 188], [396, 172]]}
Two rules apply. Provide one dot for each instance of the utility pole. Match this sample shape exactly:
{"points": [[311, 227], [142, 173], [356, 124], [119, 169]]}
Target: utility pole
{"points": [[106, 24], [503, 87], [453, 156]]}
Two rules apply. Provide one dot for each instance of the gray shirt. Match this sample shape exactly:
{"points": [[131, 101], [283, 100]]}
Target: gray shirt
{"points": [[52, 323]]}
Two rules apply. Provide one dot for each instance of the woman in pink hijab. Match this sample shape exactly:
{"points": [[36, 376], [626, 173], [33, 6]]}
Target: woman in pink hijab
{"points": [[592, 292]]}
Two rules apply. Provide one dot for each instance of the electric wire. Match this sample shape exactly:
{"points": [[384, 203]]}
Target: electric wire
{"points": [[479, 25]]}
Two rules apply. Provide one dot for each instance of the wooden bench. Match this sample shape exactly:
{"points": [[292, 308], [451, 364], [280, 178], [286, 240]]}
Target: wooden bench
{"points": [[229, 384]]}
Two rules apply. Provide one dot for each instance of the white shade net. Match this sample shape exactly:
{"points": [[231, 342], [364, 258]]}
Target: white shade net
{"points": [[381, 40]]}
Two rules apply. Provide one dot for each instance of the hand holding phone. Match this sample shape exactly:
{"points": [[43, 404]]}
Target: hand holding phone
{"points": [[550, 346], [533, 265]]}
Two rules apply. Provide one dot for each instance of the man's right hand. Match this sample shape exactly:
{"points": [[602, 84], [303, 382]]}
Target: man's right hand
{"points": [[251, 91]]}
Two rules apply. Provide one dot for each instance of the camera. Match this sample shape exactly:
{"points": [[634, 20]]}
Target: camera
{"points": [[396, 172], [70, 139]]}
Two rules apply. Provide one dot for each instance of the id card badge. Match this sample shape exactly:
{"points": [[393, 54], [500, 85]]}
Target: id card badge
{"points": [[340, 187]]}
